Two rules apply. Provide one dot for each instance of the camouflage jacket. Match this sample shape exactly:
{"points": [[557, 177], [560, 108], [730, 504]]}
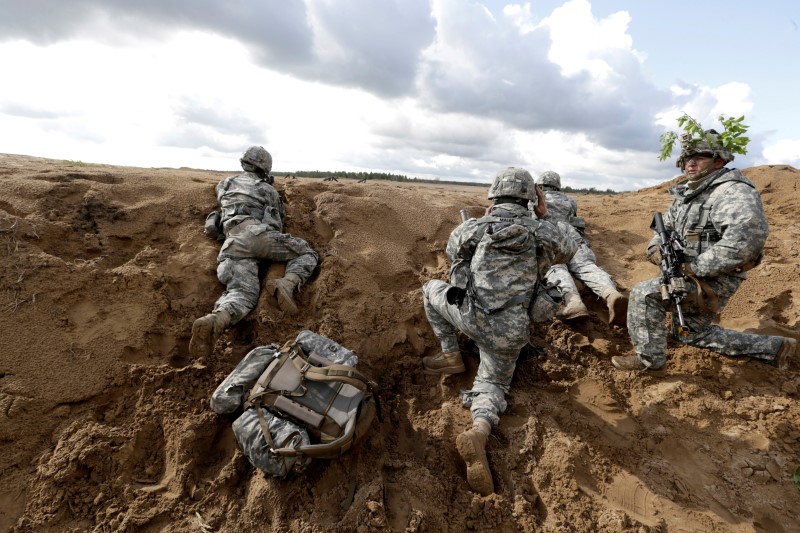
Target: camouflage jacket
{"points": [[247, 195], [552, 246], [722, 222], [562, 208]]}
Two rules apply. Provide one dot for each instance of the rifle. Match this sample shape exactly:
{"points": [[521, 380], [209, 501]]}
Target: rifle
{"points": [[465, 215], [673, 282]]}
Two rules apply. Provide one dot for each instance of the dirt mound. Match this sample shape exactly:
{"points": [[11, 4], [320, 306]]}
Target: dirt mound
{"points": [[105, 422]]}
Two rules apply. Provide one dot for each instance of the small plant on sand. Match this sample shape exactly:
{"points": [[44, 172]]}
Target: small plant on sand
{"points": [[732, 138]]}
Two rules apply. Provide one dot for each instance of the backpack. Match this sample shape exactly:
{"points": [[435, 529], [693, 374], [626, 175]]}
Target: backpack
{"points": [[503, 269], [301, 402]]}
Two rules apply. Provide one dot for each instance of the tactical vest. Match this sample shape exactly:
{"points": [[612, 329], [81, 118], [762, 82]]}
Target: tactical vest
{"points": [[699, 230]]}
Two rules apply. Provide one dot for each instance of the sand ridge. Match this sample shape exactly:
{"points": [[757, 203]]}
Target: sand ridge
{"points": [[105, 423]]}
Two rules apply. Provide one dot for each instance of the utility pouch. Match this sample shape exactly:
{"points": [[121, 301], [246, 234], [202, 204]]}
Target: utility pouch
{"points": [[545, 303], [213, 226]]}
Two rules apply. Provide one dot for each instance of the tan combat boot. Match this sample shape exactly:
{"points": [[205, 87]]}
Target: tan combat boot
{"points": [[443, 363], [617, 307], [786, 354], [573, 307], [632, 362], [205, 332], [471, 445], [282, 291]]}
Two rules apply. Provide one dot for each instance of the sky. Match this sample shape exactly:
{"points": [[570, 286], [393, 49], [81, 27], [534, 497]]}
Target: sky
{"points": [[435, 89]]}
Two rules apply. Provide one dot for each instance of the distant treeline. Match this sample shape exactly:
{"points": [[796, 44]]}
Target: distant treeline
{"points": [[319, 174]]}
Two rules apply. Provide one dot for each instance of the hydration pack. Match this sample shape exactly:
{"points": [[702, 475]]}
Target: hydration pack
{"points": [[301, 402]]}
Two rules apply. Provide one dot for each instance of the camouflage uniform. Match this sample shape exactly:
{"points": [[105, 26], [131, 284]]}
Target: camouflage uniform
{"points": [[583, 265], [252, 220], [501, 333], [730, 242]]}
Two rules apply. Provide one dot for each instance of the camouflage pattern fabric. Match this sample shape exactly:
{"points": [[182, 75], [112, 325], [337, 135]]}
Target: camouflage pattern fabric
{"points": [[284, 433], [741, 226], [335, 352], [228, 396], [584, 264], [252, 220], [499, 335], [560, 207]]}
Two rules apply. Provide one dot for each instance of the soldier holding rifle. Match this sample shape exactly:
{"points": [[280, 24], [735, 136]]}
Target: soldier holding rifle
{"points": [[711, 235]]}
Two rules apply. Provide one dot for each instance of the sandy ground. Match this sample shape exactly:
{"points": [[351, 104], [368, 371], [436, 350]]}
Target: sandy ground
{"points": [[105, 422]]}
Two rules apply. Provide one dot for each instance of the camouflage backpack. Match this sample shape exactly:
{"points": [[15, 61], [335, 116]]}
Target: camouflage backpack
{"points": [[301, 402], [503, 269]]}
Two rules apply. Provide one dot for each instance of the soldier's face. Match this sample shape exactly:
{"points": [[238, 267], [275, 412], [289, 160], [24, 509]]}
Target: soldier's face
{"points": [[700, 164]]}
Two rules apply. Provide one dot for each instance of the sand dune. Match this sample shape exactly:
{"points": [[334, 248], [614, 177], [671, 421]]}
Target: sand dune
{"points": [[105, 422]]}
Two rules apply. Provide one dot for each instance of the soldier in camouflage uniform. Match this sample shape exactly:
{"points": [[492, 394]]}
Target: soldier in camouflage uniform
{"points": [[718, 213], [583, 265], [488, 299], [252, 216]]}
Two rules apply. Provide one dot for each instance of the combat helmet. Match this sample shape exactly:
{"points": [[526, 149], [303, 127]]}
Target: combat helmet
{"points": [[708, 144], [551, 179], [258, 157], [513, 182]]}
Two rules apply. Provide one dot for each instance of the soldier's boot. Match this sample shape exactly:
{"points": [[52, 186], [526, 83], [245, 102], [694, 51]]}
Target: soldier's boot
{"points": [[786, 354], [443, 363], [205, 332], [573, 307], [617, 307], [282, 291], [632, 362], [471, 445]]}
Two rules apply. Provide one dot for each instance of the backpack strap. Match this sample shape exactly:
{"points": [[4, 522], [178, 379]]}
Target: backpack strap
{"points": [[355, 429], [261, 395]]}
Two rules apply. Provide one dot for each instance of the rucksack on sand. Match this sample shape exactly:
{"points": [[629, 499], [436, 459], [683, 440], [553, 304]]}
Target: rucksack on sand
{"points": [[301, 402]]}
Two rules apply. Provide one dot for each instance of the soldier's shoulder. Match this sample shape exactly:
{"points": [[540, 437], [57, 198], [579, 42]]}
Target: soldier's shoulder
{"points": [[732, 177]]}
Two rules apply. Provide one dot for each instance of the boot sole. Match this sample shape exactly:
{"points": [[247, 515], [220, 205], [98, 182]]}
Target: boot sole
{"points": [[638, 368], [202, 333], [574, 315], [479, 476], [786, 353], [285, 300], [446, 370]]}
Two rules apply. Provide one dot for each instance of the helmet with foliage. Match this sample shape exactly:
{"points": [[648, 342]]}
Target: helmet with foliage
{"points": [[550, 179], [513, 182], [708, 144], [257, 157]]}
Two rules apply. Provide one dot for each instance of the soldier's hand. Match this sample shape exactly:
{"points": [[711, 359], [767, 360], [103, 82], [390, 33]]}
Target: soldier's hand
{"points": [[540, 209]]}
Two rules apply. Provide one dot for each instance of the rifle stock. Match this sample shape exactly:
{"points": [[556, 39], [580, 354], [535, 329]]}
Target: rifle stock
{"points": [[673, 282]]}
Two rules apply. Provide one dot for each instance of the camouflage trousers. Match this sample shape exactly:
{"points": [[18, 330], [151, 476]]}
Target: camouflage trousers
{"points": [[237, 264], [499, 336], [648, 331], [584, 267]]}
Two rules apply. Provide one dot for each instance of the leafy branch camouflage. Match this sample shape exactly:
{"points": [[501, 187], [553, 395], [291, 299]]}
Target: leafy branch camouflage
{"points": [[732, 139]]}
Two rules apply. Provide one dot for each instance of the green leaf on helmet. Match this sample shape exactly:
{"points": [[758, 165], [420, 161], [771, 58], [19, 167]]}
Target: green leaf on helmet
{"points": [[731, 139]]}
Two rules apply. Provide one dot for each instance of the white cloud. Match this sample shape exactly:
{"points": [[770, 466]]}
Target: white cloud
{"points": [[785, 151], [581, 43], [441, 88]]}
